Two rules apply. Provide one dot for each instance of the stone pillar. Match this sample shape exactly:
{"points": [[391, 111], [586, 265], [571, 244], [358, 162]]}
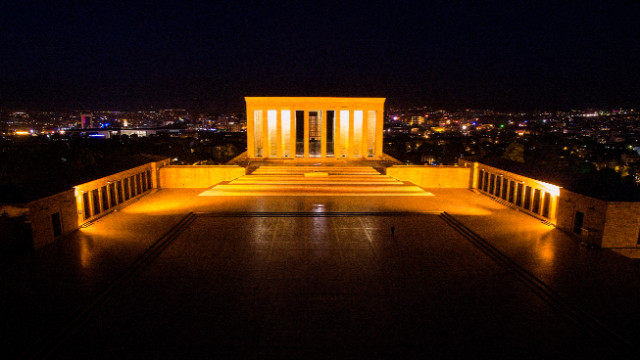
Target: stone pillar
{"points": [[265, 134], [474, 175], [292, 134], [553, 208], [306, 133], [250, 134], [379, 129], [351, 116], [337, 151], [323, 134], [365, 133], [278, 133]]}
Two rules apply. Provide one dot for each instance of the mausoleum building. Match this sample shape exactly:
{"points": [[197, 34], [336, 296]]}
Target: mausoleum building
{"points": [[314, 128]]}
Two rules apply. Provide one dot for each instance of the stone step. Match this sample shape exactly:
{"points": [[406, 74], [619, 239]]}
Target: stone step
{"points": [[301, 176], [299, 181], [264, 170], [314, 192], [398, 189], [313, 182], [330, 173]]}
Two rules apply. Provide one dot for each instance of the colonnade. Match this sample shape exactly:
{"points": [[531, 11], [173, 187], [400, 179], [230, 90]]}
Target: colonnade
{"points": [[315, 128], [532, 195]]}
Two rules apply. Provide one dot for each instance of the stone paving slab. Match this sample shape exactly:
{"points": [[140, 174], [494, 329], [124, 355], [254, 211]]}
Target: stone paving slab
{"points": [[599, 281], [43, 289], [338, 288]]}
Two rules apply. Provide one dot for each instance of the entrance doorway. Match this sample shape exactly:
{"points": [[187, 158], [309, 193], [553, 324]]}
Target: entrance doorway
{"points": [[56, 224], [315, 133], [577, 222]]}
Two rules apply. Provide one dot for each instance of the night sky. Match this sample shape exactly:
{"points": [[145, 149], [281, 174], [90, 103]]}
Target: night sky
{"points": [[505, 55]]}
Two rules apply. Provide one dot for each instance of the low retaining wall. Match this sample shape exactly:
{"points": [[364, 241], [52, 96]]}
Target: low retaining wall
{"points": [[428, 176], [197, 176]]}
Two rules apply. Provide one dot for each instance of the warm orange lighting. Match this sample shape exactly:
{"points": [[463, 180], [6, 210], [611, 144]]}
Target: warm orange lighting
{"points": [[316, 174], [554, 190], [86, 247], [546, 250]]}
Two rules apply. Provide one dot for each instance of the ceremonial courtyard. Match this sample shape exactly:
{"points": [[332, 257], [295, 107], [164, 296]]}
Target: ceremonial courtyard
{"points": [[215, 272], [306, 248]]}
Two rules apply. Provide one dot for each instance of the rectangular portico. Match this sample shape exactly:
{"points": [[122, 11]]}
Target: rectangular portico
{"points": [[300, 128]]}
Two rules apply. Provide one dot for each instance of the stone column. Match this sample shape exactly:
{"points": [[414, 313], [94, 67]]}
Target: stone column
{"points": [[323, 133], [278, 132], [364, 141], [474, 175], [351, 116], [337, 151], [306, 133], [553, 208], [379, 129], [265, 134], [250, 134], [292, 133]]}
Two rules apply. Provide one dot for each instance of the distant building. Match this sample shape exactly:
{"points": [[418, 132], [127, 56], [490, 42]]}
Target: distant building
{"points": [[86, 120]]}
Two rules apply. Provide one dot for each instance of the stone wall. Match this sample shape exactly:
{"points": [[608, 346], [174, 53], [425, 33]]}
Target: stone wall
{"points": [[155, 173], [594, 211], [621, 225], [427, 176], [197, 176], [616, 224], [40, 216]]}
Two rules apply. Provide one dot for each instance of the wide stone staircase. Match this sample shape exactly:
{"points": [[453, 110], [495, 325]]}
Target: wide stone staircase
{"points": [[313, 180]]}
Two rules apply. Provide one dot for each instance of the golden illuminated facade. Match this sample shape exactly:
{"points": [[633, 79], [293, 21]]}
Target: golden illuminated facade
{"points": [[314, 128]]}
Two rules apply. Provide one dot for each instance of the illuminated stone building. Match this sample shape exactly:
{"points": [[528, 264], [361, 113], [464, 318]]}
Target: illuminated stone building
{"points": [[304, 128]]}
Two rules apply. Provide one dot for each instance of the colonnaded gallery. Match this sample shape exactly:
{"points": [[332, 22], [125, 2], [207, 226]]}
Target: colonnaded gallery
{"points": [[318, 128]]}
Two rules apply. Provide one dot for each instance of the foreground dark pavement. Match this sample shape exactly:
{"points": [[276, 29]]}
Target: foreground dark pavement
{"points": [[232, 282]]}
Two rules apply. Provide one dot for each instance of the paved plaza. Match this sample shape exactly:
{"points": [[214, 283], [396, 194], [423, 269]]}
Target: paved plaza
{"points": [[177, 275]]}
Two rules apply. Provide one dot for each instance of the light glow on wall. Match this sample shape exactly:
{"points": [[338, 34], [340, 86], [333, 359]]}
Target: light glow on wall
{"points": [[344, 133], [554, 190], [285, 120], [272, 127], [257, 132], [371, 133], [357, 132]]}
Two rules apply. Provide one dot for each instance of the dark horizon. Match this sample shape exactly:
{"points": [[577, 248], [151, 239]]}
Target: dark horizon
{"points": [[207, 57]]}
